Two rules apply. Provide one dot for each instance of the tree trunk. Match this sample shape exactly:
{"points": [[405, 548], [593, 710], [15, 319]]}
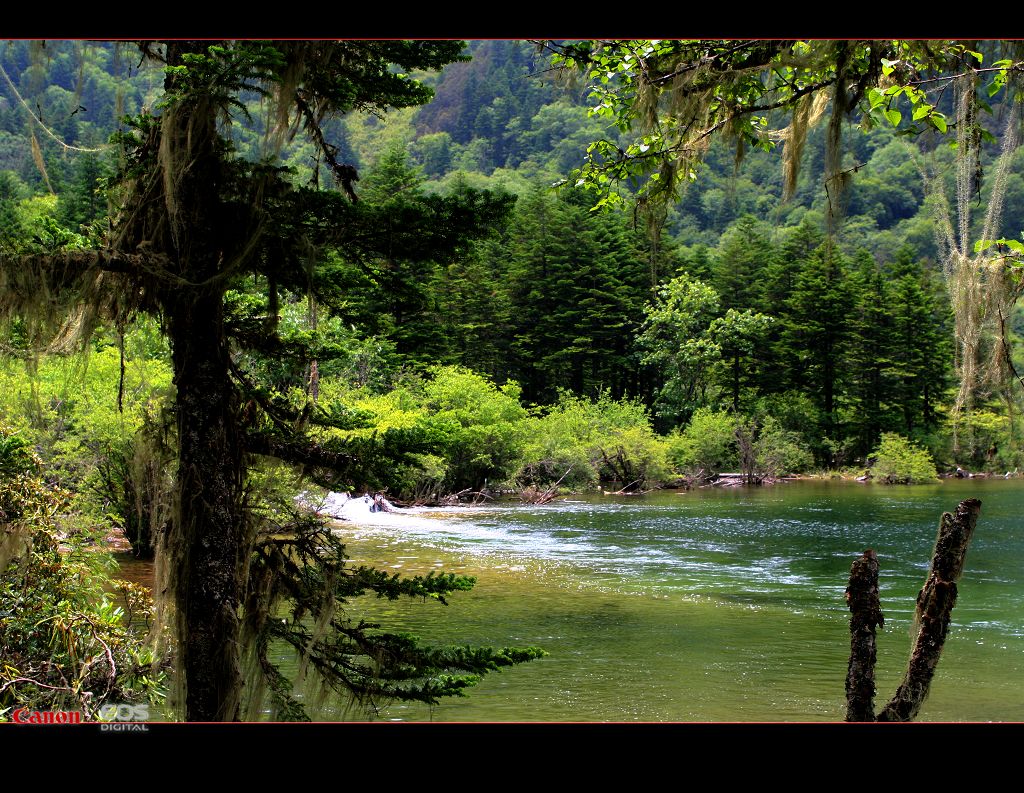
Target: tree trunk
{"points": [[736, 383], [866, 614], [934, 605], [210, 546], [211, 549]]}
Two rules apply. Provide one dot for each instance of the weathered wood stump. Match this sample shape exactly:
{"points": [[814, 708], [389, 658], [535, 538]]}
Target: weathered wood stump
{"points": [[935, 604], [866, 615]]}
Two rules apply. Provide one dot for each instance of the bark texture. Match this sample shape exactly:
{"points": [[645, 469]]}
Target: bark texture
{"points": [[211, 541], [866, 615], [934, 605], [212, 538]]}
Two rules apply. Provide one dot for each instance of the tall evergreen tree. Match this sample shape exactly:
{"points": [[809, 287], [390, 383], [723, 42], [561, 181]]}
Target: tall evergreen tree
{"points": [[577, 281], [778, 280], [870, 354], [816, 334], [922, 349], [193, 222], [743, 254]]}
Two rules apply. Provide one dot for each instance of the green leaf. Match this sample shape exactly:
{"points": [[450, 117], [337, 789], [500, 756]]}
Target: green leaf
{"points": [[894, 116]]}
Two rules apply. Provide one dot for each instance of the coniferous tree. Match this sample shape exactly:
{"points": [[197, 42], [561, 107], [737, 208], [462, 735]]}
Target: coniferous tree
{"points": [[870, 352], [576, 284], [470, 305], [775, 374], [193, 222], [816, 333], [921, 350], [744, 253]]}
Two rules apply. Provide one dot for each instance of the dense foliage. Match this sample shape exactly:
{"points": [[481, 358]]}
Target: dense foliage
{"points": [[397, 300], [193, 224], [897, 461], [65, 643], [557, 301]]}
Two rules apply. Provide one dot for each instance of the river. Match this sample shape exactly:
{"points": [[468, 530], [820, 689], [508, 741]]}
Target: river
{"points": [[705, 605]]}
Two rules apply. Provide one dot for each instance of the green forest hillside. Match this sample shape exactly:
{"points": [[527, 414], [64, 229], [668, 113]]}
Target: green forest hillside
{"points": [[731, 304]]}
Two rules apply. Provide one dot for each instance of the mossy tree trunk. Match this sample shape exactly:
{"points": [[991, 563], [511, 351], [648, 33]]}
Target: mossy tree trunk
{"points": [[211, 537], [209, 546], [935, 604]]}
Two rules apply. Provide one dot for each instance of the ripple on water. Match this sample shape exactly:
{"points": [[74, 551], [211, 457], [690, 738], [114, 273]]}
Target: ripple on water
{"points": [[699, 577]]}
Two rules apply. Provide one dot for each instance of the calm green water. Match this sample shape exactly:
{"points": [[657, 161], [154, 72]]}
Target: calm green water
{"points": [[722, 605]]}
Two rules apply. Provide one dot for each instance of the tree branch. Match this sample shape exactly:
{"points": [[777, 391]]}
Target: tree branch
{"points": [[301, 453], [106, 260]]}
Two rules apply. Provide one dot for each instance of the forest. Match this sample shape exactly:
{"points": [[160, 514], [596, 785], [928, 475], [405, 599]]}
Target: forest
{"points": [[231, 272]]}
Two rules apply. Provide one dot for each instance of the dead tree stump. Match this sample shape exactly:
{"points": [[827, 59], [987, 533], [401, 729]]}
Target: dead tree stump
{"points": [[866, 614], [935, 604]]}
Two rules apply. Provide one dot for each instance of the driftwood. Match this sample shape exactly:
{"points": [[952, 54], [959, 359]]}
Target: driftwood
{"points": [[935, 604], [445, 500], [532, 495]]}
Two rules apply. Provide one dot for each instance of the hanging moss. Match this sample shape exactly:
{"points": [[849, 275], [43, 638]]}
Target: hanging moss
{"points": [[983, 283]]}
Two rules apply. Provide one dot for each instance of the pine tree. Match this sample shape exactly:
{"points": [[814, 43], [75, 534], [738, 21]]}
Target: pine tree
{"points": [[775, 372], [816, 334], [193, 222], [742, 256], [922, 351], [576, 284], [871, 348]]}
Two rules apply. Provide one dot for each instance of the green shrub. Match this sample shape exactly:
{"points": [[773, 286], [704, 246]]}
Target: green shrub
{"points": [[988, 441], [454, 430], [780, 451], [898, 461], [706, 446], [64, 642], [85, 422], [478, 423], [602, 439]]}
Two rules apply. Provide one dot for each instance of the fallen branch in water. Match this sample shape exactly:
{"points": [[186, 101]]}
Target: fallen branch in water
{"points": [[532, 496]]}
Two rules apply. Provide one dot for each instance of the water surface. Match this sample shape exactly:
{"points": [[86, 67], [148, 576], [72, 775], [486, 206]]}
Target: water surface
{"points": [[707, 605]]}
